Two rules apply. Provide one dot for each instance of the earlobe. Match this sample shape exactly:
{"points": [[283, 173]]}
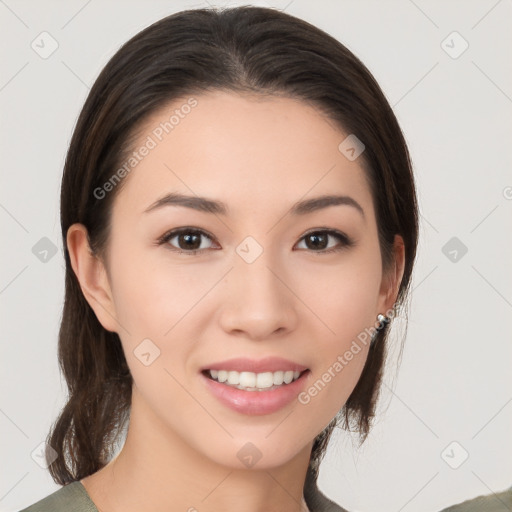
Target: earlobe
{"points": [[92, 276], [391, 281]]}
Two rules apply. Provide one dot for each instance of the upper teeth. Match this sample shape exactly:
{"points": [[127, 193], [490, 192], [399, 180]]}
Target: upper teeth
{"points": [[254, 380]]}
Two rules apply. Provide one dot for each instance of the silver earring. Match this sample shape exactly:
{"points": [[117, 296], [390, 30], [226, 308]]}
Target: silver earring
{"points": [[383, 321]]}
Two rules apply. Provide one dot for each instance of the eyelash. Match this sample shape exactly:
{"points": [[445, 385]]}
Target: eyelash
{"points": [[346, 242]]}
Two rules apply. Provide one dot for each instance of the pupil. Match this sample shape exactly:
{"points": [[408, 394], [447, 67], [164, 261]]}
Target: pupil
{"points": [[188, 238], [316, 238]]}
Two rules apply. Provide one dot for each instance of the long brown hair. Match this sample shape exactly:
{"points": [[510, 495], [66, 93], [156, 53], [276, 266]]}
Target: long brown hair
{"points": [[247, 49]]}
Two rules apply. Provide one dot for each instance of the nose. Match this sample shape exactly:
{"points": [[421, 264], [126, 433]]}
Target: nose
{"points": [[258, 301]]}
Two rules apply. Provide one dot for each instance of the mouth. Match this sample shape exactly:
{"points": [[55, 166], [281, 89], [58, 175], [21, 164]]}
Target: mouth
{"points": [[251, 393], [251, 381], [255, 386]]}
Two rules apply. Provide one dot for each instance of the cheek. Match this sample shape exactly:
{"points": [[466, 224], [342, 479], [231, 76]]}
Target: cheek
{"points": [[152, 300], [343, 300], [343, 297], [151, 295]]}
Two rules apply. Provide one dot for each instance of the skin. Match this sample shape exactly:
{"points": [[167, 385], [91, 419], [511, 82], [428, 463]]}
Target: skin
{"points": [[259, 156]]}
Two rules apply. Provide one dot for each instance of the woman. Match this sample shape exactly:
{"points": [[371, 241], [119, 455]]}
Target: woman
{"points": [[240, 221]]}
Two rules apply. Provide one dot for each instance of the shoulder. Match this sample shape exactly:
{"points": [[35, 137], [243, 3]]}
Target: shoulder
{"points": [[495, 502], [319, 502], [71, 498], [315, 499]]}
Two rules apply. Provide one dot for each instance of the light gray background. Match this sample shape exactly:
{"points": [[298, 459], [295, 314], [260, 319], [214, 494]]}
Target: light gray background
{"points": [[454, 383]]}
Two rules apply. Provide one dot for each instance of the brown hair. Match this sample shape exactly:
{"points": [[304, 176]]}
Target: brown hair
{"points": [[244, 49]]}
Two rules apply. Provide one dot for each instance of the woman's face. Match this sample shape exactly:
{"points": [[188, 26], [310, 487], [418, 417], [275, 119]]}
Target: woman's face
{"points": [[269, 283]]}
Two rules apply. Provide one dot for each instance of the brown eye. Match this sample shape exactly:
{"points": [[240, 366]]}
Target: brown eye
{"points": [[186, 240], [320, 241], [190, 241]]}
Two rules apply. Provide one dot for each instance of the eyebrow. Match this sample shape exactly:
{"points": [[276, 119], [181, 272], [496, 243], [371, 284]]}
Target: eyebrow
{"points": [[206, 205]]}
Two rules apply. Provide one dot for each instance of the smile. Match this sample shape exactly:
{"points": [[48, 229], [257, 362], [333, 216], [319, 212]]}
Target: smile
{"points": [[250, 381], [254, 400]]}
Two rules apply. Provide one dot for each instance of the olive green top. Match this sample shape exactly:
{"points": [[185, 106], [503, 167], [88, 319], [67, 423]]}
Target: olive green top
{"points": [[74, 498], [498, 502], [70, 498]]}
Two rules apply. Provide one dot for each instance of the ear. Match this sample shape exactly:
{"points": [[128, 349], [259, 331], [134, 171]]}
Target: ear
{"points": [[92, 276], [392, 278]]}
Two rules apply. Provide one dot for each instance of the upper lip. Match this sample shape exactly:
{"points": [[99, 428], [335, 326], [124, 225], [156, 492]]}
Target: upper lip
{"points": [[268, 364]]}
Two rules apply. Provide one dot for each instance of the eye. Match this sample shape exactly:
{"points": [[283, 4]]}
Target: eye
{"points": [[318, 241], [188, 240]]}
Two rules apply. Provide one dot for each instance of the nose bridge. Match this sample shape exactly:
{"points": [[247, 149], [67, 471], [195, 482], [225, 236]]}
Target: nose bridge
{"points": [[257, 301], [255, 271]]}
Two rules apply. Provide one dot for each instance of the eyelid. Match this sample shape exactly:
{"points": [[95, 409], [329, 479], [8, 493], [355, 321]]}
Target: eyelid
{"points": [[178, 231], [345, 240]]}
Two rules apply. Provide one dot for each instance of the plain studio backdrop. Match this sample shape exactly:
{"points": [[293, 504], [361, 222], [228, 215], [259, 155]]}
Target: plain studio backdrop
{"points": [[443, 429]]}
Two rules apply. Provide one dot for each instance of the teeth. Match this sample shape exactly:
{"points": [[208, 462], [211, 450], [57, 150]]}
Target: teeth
{"points": [[264, 380], [233, 378], [248, 379], [254, 381], [278, 378]]}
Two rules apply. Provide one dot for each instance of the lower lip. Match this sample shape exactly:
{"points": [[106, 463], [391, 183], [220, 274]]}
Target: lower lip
{"points": [[256, 402]]}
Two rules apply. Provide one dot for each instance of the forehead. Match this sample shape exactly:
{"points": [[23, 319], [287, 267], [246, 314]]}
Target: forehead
{"points": [[249, 151]]}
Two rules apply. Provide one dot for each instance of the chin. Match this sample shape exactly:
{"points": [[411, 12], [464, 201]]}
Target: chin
{"points": [[255, 451]]}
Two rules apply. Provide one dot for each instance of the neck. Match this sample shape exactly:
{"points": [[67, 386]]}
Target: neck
{"points": [[157, 471]]}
